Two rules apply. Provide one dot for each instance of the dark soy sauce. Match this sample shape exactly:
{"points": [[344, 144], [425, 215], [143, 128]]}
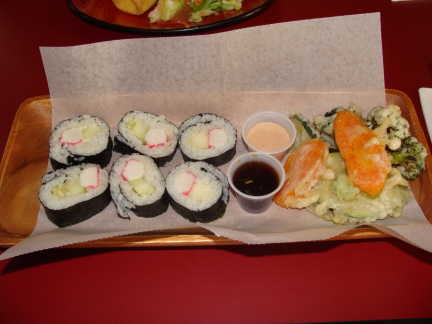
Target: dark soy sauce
{"points": [[255, 178]]}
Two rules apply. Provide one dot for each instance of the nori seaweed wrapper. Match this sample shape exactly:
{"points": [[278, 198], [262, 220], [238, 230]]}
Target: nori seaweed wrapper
{"points": [[218, 160], [203, 214], [126, 200], [151, 210], [102, 158], [80, 212], [208, 215], [208, 118], [125, 145]]}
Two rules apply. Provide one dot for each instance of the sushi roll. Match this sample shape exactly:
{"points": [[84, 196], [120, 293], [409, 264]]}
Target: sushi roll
{"points": [[209, 138], [75, 194], [138, 187], [82, 139], [147, 133], [198, 191]]}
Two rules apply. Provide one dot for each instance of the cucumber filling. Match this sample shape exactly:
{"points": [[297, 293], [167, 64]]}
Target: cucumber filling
{"points": [[68, 189], [138, 129], [142, 187]]}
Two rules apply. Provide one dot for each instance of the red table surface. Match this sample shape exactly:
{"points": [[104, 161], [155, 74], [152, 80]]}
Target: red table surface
{"points": [[289, 283]]}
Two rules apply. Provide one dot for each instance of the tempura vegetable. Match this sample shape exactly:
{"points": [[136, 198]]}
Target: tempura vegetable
{"points": [[365, 157], [303, 170]]}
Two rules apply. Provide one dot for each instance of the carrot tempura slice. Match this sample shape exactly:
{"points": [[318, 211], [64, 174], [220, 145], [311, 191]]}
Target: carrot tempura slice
{"points": [[303, 169], [366, 159]]}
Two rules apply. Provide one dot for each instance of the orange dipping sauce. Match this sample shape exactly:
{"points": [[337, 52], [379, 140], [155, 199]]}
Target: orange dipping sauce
{"points": [[268, 137]]}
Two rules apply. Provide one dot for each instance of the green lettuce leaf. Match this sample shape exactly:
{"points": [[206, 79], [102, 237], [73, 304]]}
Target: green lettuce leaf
{"points": [[203, 8]]}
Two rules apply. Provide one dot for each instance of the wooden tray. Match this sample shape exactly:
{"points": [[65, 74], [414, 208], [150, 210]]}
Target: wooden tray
{"points": [[26, 157]]}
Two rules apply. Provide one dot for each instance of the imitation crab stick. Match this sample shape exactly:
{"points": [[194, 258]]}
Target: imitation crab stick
{"points": [[365, 157], [303, 169]]}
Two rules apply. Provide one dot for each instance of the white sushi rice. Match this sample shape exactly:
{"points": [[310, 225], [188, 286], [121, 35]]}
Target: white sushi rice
{"points": [[203, 123], [55, 178], [123, 194], [151, 121], [204, 173], [94, 145]]}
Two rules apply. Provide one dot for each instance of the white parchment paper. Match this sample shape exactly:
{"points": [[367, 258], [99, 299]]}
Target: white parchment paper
{"points": [[310, 66]]}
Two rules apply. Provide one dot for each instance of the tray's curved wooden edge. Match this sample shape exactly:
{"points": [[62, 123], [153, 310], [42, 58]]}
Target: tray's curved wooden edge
{"points": [[14, 132], [179, 240], [171, 240], [23, 110]]}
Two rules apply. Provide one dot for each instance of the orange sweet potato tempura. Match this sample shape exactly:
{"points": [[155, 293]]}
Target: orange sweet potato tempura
{"points": [[365, 157], [303, 170]]}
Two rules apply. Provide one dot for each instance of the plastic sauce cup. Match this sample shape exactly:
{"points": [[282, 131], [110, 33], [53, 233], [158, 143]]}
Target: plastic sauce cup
{"points": [[255, 204], [272, 117]]}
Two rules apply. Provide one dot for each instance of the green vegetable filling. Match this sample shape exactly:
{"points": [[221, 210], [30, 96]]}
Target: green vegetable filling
{"points": [[138, 129], [68, 189], [89, 132], [141, 187]]}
